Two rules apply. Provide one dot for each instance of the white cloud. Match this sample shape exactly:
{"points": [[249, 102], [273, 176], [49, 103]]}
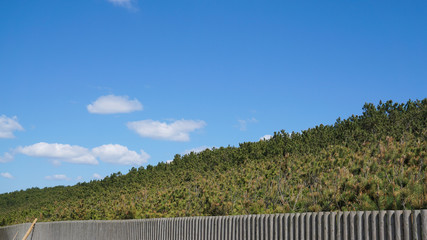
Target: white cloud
{"points": [[56, 162], [58, 177], [7, 157], [8, 125], [96, 176], [197, 149], [122, 3], [114, 104], [6, 175], [114, 153], [176, 131], [79, 178], [59, 152], [265, 137], [244, 123], [169, 161]]}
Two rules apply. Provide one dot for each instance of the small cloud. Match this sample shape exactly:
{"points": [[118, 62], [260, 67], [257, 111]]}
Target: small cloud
{"points": [[59, 152], [244, 123], [114, 104], [197, 149], [176, 131], [169, 161], [7, 157], [115, 153], [123, 3], [58, 177], [96, 176], [56, 162], [6, 175], [8, 126], [265, 137], [79, 178]]}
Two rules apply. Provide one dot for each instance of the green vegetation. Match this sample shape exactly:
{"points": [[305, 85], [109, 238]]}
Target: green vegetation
{"points": [[369, 162]]}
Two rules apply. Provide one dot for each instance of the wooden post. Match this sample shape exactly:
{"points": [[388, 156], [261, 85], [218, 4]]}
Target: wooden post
{"points": [[29, 230], [15, 235]]}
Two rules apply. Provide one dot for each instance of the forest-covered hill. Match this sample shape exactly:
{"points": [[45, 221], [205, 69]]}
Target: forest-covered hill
{"points": [[369, 162]]}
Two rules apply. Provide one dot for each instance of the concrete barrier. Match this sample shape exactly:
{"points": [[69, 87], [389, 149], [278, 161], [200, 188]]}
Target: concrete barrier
{"points": [[362, 225]]}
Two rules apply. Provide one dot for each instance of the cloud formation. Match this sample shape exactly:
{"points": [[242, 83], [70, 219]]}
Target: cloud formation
{"points": [[6, 175], [122, 3], [114, 104], [7, 157], [96, 176], [176, 131], [111, 153], [197, 149], [59, 152], [58, 177], [8, 126], [265, 137], [244, 123], [114, 153]]}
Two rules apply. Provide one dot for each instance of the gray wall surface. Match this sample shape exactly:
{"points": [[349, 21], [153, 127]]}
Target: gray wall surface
{"points": [[375, 225]]}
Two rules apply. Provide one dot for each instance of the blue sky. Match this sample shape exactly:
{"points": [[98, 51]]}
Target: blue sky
{"points": [[93, 87]]}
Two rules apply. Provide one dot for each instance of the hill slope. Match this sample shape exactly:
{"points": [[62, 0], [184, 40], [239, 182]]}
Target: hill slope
{"points": [[373, 161]]}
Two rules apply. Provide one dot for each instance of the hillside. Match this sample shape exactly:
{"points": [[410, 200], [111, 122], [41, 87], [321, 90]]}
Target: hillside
{"points": [[369, 162]]}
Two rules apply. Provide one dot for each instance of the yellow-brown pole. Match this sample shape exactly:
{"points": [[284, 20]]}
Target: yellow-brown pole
{"points": [[29, 230], [15, 236]]}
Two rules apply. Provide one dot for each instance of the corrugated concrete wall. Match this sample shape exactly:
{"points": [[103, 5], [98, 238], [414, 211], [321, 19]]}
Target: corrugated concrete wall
{"points": [[369, 225]]}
